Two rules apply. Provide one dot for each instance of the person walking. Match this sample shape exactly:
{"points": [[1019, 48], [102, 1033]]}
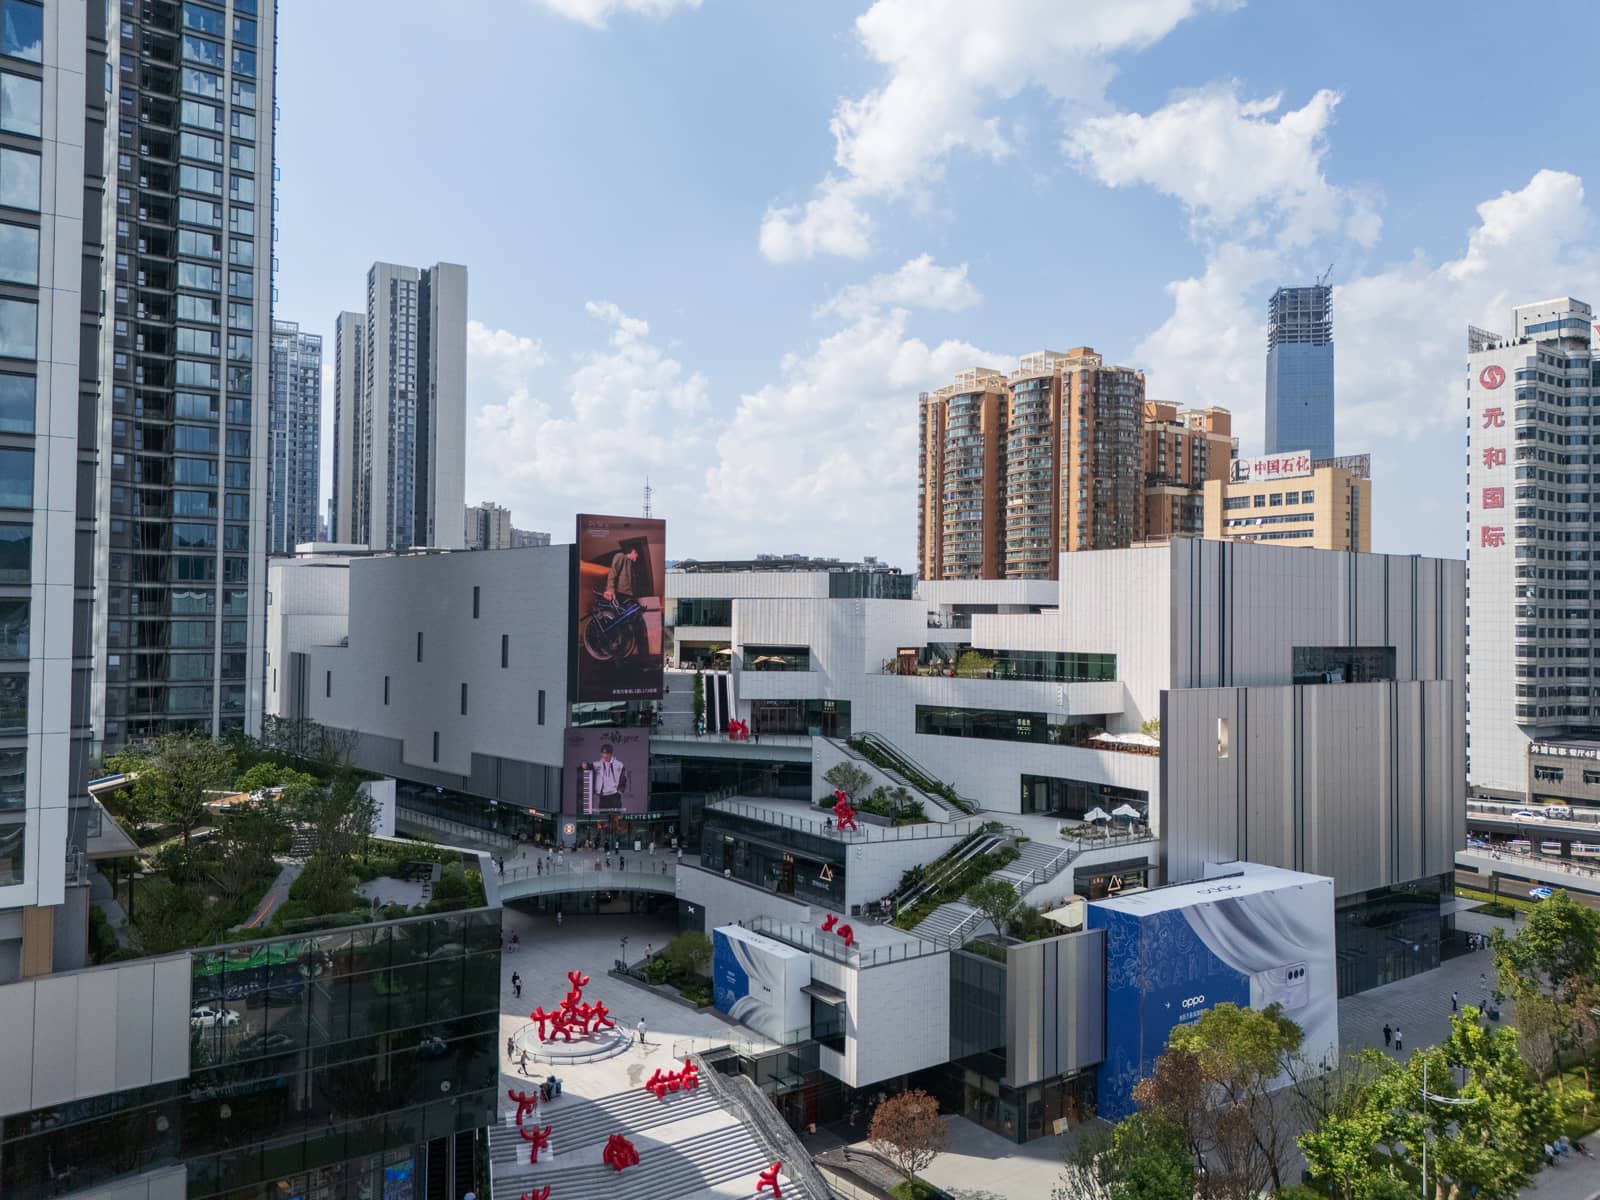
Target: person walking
{"points": [[640, 1028], [516, 985], [622, 863], [1397, 1045], [1388, 1036], [1455, 1002], [511, 1049], [522, 1067], [647, 952], [558, 918]]}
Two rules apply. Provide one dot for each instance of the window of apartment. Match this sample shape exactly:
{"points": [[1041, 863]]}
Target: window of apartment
{"points": [[1591, 776], [1549, 774], [1258, 501], [463, 699], [14, 629], [386, 689], [419, 645], [475, 592], [16, 403], [14, 703], [327, 683], [1276, 500], [505, 652], [22, 29], [16, 478], [435, 745], [1233, 502], [16, 553], [21, 104], [1307, 497], [541, 706], [19, 328]]}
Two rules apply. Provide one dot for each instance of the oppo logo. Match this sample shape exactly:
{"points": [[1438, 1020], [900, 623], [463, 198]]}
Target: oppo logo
{"points": [[1194, 1001]]}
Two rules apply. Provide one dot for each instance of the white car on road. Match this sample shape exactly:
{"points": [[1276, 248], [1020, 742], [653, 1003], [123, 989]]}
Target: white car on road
{"points": [[1526, 814], [210, 1018]]}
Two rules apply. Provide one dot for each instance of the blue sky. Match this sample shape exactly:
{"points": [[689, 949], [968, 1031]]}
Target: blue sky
{"points": [[726, 243]]}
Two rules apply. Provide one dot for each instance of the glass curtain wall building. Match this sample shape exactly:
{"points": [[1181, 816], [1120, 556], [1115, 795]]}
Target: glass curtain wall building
{"points": [[1300, 371], [181, 556], [53, 99], [295, 463]]}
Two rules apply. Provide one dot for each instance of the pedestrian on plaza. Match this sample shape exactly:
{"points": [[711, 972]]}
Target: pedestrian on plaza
{"points": [[647, 952], [680, 853], [622, 863], [663, 868], [499, 865], [640, 1028], [538, 867], [652, 848], [515, 942], [1397, 1046], [1388, 1036], [511, 1049], [558, 918], [516, 985], [522, 1067], [1455, 1002], [1483, 982]]}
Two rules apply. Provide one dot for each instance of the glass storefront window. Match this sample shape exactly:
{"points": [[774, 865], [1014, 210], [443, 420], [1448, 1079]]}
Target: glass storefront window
{"points": [[816, 718], [776, 658]]}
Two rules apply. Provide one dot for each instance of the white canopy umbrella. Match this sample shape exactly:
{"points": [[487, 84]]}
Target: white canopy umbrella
{"points": [[1096, 814], [1126, 810]]}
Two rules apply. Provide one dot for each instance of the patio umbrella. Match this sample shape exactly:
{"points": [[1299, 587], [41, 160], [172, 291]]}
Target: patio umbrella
{"points": [[1126, 810], [1096, 814]]}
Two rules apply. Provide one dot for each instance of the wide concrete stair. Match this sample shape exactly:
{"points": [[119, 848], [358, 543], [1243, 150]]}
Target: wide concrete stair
{"points": [[1035, 863], [951, 924], [687, 1143]]}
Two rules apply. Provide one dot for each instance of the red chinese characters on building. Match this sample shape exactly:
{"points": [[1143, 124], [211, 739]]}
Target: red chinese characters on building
{"points": [[1491, 535], [1494, 418], [1494, 456], [1494, 497]]}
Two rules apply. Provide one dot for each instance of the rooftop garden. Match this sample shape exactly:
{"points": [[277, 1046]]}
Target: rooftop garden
{"points": [[240, 840]]}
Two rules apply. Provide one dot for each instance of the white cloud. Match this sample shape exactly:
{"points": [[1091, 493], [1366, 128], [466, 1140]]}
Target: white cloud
{"points": [[1399, 331], [947, 62], [1230, 163], [595, 13], [825, 459], [629, 410], [919, 283]]}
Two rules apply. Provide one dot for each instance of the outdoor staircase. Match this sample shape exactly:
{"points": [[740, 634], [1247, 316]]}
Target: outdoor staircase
{"points": [[1036, 863], [671, 1165], [950, 924]]}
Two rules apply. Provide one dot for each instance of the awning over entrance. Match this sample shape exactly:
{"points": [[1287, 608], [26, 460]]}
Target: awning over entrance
{"points": [[824, 993]]}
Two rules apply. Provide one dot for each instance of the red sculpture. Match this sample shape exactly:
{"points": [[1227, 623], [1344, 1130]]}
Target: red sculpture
{"points": [[844, 817], [619, 1153], [542, 1193], [662, 1082], [768, 1179], [829, 922], [536, 1138], [848, 934], [738, 731], [573, 1014], [526, 1102]]}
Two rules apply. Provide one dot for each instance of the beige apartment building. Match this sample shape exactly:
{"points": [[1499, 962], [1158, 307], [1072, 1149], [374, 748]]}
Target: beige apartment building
{"points": [[1182, 450], [1288, 500], [1012, 472]]}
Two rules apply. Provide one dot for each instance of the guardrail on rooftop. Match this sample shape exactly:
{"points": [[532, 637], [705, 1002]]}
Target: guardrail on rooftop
{"points": [[823, 826], [829, 945]]}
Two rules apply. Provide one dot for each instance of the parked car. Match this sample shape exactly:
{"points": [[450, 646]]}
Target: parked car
{"points": [[209, 1018], [1526, 814], [1540, 893], [1558, 812]]}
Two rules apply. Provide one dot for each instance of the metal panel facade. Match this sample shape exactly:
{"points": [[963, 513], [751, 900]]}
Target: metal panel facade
{"points": [[1055, 1007]]}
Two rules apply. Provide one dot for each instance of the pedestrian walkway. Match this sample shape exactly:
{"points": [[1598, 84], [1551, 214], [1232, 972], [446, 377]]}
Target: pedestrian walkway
{"points": [[691, 1145], [276, 895]]}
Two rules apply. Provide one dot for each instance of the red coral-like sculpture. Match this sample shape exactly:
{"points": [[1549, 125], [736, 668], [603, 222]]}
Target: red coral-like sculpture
{"points": [[537, 1138], [769, 1179], [619, 1153]]}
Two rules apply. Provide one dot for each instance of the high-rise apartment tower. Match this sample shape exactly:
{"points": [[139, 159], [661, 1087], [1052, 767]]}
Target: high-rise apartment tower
{"points": [[400, 410], [181, 546], [1300, 370], [488, 527], [1014, 472], [294, 465], [1182, 451]]}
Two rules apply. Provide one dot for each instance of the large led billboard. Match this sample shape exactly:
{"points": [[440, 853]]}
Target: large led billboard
{"points": [[756, 980], [1255, 938], [606, 771], [622, 574]]}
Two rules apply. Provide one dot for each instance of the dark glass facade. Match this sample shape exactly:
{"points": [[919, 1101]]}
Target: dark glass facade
{"points": [[352, 1048], [1343, 664], [818, 718], [705, 611], [1001, 725], [1074, 797], [1390, 933], [777, 658], [789, 862]]}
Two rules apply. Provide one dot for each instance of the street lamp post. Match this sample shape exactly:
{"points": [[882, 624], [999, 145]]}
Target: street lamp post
{"points": [[1451, 1101]]}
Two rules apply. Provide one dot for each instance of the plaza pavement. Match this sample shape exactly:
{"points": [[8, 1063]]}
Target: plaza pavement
{"points": [[976, 1164]]}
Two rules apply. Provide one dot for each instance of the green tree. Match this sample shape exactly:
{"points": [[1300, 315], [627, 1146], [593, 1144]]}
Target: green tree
{"points": [[995, 899], [1241, 1053], [174, 777], [848, 778], [1551, 967], [1143, 1158], [689, 954]]}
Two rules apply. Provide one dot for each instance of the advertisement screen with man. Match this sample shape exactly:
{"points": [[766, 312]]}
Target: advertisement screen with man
{"points": [[606, 771], [622, 569]]}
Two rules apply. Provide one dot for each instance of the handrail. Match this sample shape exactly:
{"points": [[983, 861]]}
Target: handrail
{"points": [[805, 937], [821, 826], [909, 766], [930, 882]]}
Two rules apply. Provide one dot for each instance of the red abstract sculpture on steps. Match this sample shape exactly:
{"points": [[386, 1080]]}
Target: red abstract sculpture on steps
{"points": [[619, 1153], [536, 1138], [769, 1179]]}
